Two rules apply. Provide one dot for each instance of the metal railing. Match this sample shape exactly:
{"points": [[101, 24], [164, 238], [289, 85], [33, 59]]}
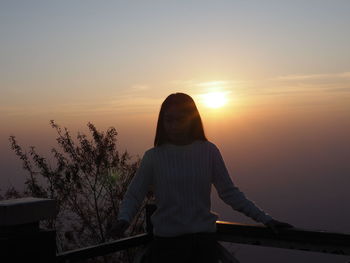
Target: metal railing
{"points": [[104, 248], [22, 240], [294, 238]]}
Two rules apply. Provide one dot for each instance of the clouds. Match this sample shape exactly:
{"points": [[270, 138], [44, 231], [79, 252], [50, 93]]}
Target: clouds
{"points": [[133, 100], [332, 89], [326, 84], [341, 75], [301, 92], [279, 85]]}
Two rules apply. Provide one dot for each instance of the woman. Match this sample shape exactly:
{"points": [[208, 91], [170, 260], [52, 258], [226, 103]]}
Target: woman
{"points": [[181, 167]]}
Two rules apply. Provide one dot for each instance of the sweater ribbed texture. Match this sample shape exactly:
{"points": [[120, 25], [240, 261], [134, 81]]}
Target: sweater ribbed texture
{"points": [[182, 177]]}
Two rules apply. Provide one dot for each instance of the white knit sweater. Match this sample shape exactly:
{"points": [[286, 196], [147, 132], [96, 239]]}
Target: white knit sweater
{"points": [[182, 177]]}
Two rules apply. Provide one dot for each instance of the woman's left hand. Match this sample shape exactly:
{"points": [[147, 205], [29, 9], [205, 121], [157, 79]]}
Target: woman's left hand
{"points": [[275, 225]]}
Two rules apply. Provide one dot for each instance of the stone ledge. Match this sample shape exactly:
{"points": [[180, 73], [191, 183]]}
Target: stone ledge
{"points": [[26, 210]]}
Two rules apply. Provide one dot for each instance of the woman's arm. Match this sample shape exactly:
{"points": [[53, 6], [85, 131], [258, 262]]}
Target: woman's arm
{"points": [[137, 189], [230, 194]]}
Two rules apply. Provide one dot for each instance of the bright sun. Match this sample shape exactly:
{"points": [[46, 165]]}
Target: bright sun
{"points": [[215, 99]]}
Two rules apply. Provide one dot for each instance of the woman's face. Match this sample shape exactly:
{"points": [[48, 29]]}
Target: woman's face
{"points": [[176, 123]]}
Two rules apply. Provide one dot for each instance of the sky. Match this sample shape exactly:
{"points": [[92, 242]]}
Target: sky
{"points": [[283, 67]]}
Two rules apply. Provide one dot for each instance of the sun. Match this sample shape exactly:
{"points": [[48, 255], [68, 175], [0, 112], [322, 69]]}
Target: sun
{"points": [[214, 100]]}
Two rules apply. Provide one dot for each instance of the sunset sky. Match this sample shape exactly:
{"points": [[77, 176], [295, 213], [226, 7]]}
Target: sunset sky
{"points": [[281, 67]]}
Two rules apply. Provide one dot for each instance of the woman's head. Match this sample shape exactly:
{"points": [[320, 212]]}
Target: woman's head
{"points": [[179, 120]]}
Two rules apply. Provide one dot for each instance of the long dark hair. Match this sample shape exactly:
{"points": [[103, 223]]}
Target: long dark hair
{"points": [[185, 102]]}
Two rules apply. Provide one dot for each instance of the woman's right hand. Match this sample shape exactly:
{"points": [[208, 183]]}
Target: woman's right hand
{"points": [[118, 228], [275, 225]]}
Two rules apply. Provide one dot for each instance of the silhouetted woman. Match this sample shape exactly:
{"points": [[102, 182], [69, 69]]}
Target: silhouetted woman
{"points": [[181, 167]]}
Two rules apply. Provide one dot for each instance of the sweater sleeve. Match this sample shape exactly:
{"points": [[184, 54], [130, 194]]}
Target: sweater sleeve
{"points": [[137, 189], [230, 194]]}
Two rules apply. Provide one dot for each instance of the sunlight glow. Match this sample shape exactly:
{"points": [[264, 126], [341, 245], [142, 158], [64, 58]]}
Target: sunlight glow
{"points": [[215, 99]]}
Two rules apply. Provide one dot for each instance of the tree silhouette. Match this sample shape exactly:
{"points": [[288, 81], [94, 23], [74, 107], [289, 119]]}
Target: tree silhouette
{"points": [[88, 181]]}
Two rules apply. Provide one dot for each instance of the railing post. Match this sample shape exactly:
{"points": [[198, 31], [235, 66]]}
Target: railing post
{"points": [[21, 239], [150, 208]]}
